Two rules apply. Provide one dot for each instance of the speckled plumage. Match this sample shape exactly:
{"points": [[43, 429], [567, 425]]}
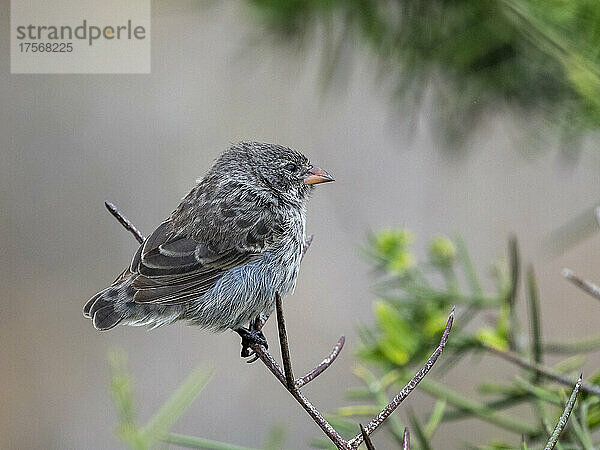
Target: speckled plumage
{"points": [[219, 258]]}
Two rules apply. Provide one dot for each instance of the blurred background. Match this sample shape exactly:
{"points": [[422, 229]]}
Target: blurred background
{"points": [[469, 120]]}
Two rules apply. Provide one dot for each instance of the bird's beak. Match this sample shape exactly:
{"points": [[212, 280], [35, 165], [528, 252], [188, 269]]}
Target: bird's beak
{"points": [[316, 175]]}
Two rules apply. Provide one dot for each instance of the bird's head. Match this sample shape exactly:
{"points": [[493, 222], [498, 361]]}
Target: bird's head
{"points": [[286, 173]]}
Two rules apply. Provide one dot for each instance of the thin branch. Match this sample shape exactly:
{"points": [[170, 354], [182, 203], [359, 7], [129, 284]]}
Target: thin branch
{"points": [[406, 445], [412, 384], [276, 370], [268, 361], [562, 422], [515, 271], [534, 317], [283, 342], [324, 364], [125, 222], [587, 286], [366, 438], [581, 346], [542, 370]]}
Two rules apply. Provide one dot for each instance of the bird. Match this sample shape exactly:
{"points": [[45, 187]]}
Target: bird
{"points": [[218, 260]]}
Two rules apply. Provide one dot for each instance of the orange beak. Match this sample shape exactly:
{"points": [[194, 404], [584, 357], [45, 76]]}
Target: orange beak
{"points": [[317, 175]]}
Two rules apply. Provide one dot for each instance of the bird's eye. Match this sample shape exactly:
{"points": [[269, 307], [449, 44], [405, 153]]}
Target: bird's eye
{"points": [[291, 167]]}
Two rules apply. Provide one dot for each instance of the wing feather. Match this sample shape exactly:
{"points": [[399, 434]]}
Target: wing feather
{"points": [[172, 269]]}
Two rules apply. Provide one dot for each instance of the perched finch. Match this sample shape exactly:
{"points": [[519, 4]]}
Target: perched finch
{"points": [[217, 261]]}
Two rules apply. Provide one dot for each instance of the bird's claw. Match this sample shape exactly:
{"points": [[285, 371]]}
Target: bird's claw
{"points": [[251, 337]]}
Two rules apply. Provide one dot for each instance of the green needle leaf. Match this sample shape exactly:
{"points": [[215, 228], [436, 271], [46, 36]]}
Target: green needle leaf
{"points": [[562, 422], [176, 405]]}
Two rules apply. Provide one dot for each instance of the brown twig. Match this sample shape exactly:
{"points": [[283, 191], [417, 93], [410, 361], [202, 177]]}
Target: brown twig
{"points": [[542, 370], [412, 384], [125, 222], [586, 286], [276, 370], [283, 342], [324, 364], [366, 438], [286, 378]]}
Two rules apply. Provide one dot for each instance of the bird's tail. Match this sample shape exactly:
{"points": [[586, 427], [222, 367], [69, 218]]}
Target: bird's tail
{"points": [[103, 308]]}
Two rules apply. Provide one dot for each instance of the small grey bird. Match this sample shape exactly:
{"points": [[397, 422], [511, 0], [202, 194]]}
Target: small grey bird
{"points": [[233, 242]]}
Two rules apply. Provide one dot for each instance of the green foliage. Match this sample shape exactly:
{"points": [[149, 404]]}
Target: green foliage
{"points": [[442, 251], [532, 54], [410, 313], [390, 250], [409, 297], [157, 428]]}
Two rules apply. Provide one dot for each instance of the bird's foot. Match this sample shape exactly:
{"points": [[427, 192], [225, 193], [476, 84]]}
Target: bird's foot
{"points": [[251, 337]]}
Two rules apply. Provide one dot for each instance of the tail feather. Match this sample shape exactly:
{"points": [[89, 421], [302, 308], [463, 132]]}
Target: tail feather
{"points": [[106, 318], [115, 305], [101, 302], [88, 306], [90, 303], [106, 307]]}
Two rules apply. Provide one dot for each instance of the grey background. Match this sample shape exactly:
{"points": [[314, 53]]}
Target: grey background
{"points": [[69, 142]]}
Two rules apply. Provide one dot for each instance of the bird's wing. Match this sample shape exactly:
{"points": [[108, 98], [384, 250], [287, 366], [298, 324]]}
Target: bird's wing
{"points": [[173, 269]]}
